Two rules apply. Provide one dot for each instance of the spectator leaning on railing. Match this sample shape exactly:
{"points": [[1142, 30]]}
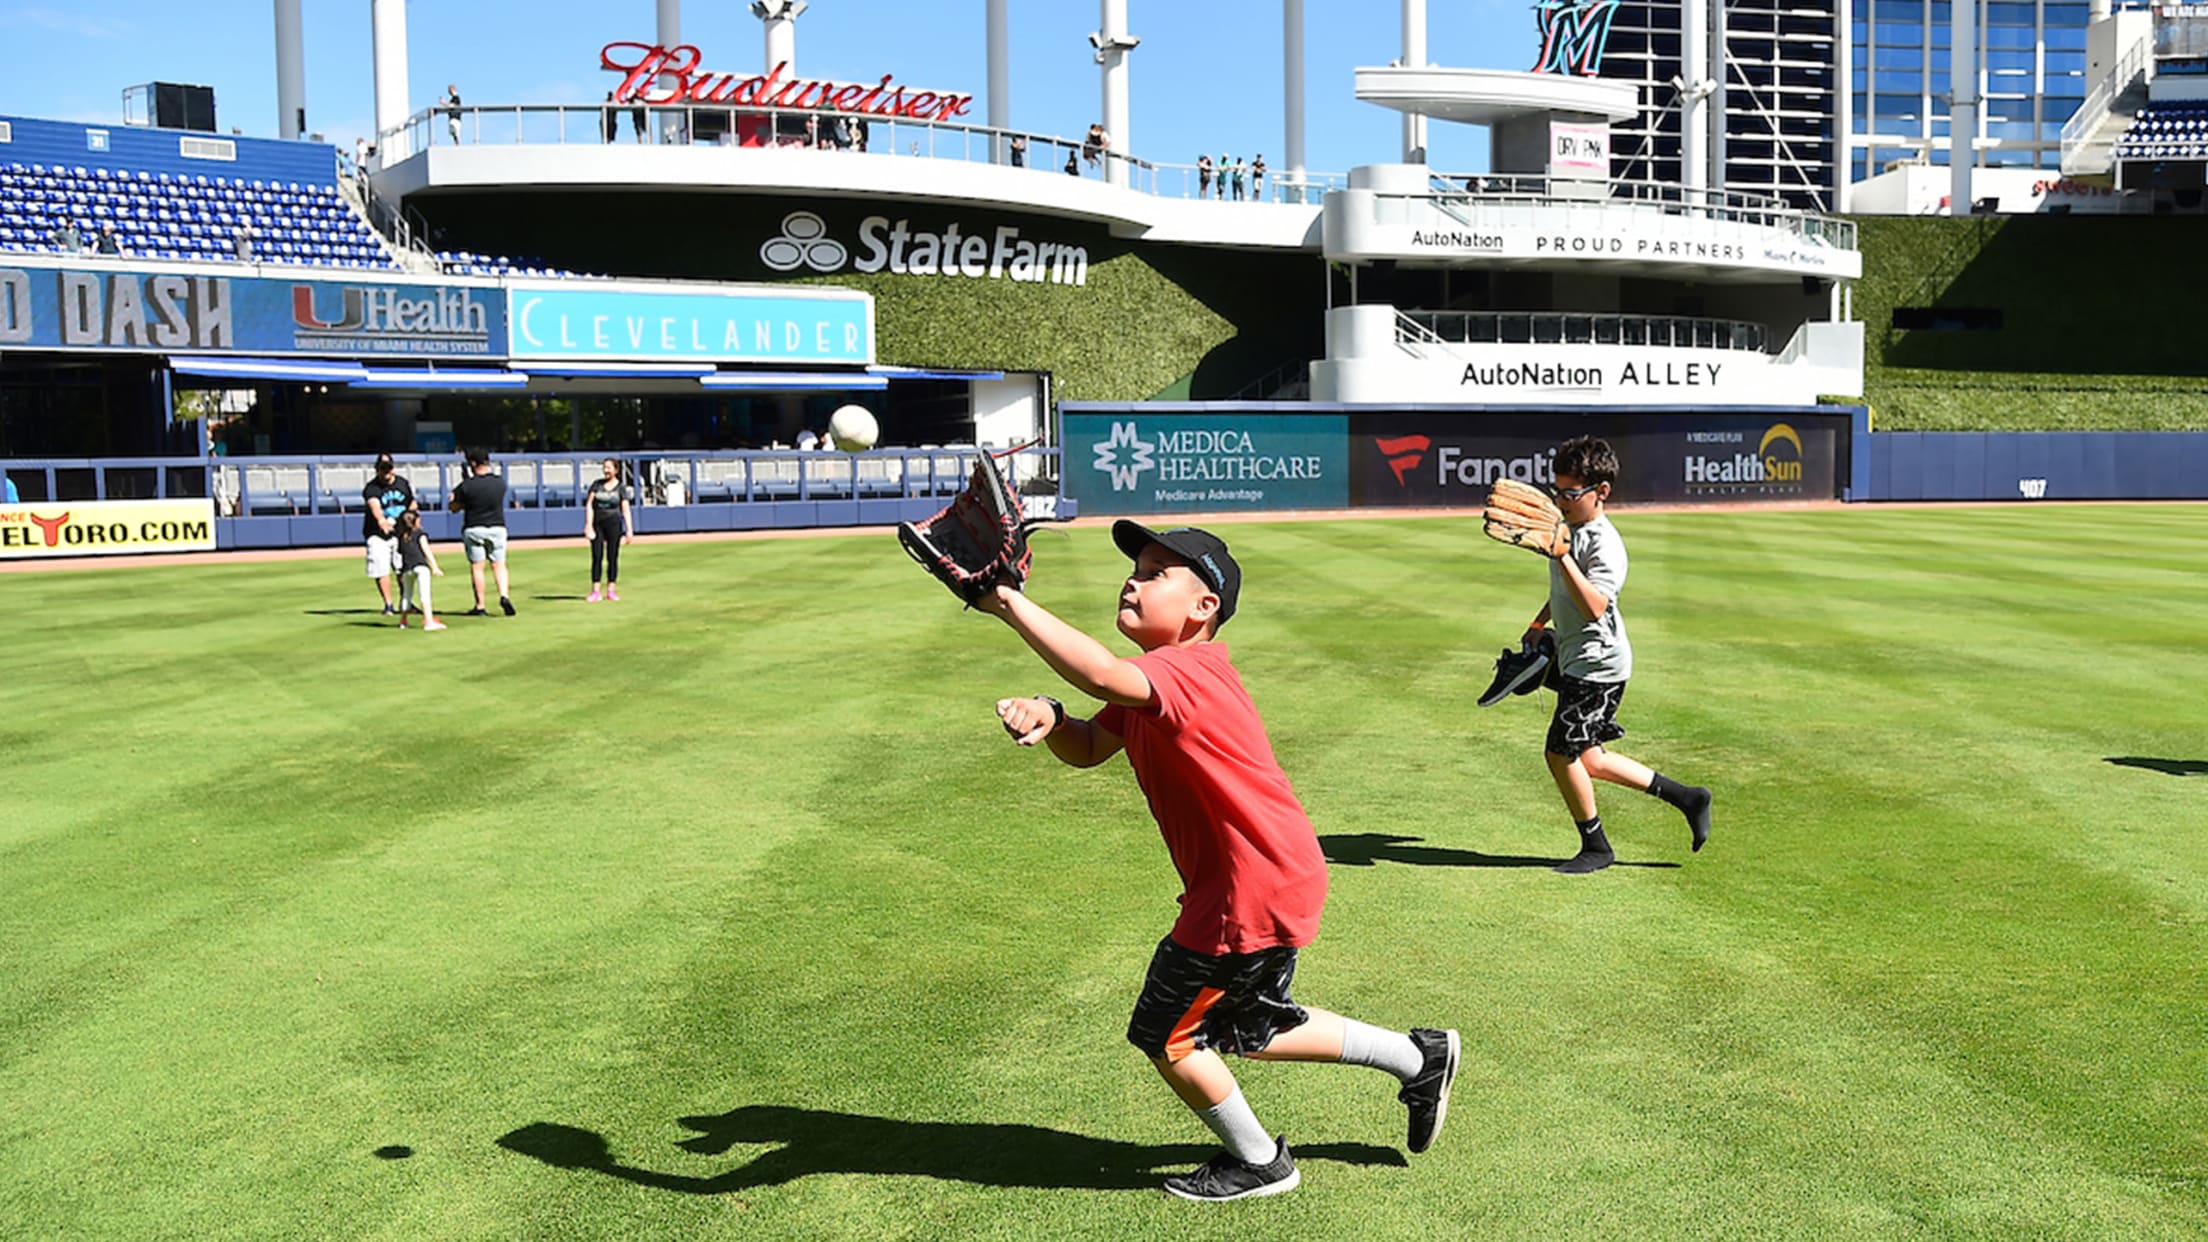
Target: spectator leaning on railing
{"points": [[1203, 176]]}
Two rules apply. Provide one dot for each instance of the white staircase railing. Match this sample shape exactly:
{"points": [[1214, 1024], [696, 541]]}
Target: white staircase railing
{"points": [[2084, 125]]}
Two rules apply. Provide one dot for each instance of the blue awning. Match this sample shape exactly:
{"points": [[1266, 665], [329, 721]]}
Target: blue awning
{"points": [[827, 381], [302, 369], [931, 373], [430, 377], [616, 370]]}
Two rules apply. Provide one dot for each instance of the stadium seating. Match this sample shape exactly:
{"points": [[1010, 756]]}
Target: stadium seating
{"points": [[180, 217], [465, 263], [2166, 132]]}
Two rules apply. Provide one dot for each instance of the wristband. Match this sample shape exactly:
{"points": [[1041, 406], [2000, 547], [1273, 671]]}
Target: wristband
{"points": [[1057, 711]]}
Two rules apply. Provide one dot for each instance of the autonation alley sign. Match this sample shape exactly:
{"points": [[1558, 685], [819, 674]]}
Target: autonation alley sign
{"points": [[1584, 375]]}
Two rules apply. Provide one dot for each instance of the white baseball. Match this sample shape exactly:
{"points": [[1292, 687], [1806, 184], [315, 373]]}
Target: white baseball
{"points": [[853, 428]]}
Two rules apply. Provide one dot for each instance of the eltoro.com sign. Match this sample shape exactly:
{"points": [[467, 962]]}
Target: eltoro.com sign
{"points": [[106, 528]]}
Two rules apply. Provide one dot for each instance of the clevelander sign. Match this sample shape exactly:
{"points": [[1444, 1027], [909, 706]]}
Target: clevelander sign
{"points": [[1189, 461]]}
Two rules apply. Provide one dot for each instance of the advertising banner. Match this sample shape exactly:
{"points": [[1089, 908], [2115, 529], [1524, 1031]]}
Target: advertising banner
{"points": [[106, 528], [1129, 461], [1426, 459], [122, 309], [1579, 151], [627, 323]]}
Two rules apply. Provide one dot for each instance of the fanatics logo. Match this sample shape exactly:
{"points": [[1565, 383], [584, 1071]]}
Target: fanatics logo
{"points": [[1403, 454]]}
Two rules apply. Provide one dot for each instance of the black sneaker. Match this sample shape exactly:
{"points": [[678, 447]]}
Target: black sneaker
{"points": [[476, 611], [506, 604], [389, 611], [1587, 862], [1428, 1093], [1224, 1177], [1516, 672]]}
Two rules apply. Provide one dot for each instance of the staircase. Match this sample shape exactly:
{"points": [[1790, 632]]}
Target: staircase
{"points": [[2089, 138], [390, 228]]}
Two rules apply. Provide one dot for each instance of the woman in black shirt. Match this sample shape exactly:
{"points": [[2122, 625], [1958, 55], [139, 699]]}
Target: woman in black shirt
{"points": [[606, 522]]}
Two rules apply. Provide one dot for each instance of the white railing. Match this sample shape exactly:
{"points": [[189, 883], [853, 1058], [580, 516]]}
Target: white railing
{"points": [[2087, 119], [829, 132], [1485, 193], [1573, 328]]}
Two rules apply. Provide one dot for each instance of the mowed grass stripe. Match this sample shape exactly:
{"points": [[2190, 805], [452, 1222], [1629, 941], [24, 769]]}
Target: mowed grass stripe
{"points": [[752, 847]]}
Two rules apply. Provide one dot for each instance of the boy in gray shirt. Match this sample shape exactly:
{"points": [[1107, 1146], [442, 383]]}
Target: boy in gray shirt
{"points": [[1594, 659]]}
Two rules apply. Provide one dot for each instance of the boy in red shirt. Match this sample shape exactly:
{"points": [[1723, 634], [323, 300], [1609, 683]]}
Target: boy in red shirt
{"points": [[1252, 874]]}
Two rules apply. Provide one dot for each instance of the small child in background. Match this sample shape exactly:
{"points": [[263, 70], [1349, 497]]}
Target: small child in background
{"points": [[416, 563]]}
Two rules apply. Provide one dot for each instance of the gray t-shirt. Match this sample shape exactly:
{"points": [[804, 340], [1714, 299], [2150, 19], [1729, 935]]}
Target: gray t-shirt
{"points": [[1592, 650]]}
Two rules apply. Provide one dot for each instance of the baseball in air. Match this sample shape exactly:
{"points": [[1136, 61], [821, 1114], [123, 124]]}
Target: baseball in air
{"points": [[852, 427]]}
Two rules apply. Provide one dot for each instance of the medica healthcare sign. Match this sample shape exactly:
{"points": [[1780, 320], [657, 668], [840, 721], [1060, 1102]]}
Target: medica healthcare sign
{"points": [[106, 528]]}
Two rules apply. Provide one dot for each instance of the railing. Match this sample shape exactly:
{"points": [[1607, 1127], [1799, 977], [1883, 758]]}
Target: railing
{"points": [[313, 486], [1483, 194], [1567, 328], [2087, 119], [826, 131]]}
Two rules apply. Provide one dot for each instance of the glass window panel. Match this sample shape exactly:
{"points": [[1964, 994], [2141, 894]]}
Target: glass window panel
{"points": [[1899, 106], [2067, 39], [2066, 15], [2009, 109], [2065, 62], [2009, 36], [1903, 83], [1900, 10], [1899, 36], [2012, 129], [2006, 13], [1911, 57]]}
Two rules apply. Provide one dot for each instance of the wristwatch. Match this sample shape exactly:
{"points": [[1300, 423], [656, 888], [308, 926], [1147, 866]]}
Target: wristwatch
{"points": [[1057, 711]]}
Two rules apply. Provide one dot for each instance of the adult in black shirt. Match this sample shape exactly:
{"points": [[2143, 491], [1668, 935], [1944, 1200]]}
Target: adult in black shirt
{"points": [[607, 523], [387, 496], [481, 501]]}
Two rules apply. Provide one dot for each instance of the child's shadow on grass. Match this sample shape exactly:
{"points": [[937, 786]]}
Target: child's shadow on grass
{"points": [[2168, 767], [560, 598], [1366, 848], [816, 1141]]}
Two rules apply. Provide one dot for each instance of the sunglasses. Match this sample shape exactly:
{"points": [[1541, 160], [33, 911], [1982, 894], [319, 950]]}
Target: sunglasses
{"points": [[1572, 493]]}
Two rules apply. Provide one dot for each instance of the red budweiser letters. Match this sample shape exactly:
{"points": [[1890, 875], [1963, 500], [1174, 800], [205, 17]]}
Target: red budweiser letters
{"points": [[670, 76]]}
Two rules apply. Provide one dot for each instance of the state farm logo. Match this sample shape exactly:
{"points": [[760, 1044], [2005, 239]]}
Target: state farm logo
{"points": [[1403, 454], [804, 243], [1126, 474]]}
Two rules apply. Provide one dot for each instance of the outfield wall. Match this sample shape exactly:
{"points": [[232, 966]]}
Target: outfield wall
{"points": [[2037, 465]]}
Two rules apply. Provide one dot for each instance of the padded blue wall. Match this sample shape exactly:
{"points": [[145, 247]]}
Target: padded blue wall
{"points": [[157, 151], [2075, 465]]}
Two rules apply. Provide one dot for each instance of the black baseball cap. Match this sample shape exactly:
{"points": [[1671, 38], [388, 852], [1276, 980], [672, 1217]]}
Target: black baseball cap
{"points": [[383, 461], [1205, 553]]}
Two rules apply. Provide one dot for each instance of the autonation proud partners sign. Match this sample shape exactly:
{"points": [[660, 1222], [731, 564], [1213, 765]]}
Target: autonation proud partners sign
{"points": [[1130, 461]]}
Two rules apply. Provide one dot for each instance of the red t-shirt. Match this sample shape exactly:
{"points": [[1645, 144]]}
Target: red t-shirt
{"points": [[1252, 874]]}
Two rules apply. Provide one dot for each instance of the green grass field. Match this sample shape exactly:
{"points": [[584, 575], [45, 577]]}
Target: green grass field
{"points": [[729, 911]]}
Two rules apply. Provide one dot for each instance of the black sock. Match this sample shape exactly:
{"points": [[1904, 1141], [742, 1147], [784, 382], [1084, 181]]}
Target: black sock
{"points": [[1591, 839], [1693, 801]]}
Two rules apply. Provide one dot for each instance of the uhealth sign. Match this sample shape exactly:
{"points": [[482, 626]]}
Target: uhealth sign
{"points": [[119, 308], [570, 321], [671, 77]]}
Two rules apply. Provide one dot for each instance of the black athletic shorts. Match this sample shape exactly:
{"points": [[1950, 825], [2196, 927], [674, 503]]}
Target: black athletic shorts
{"points": [[1235, 1002], [1586, 716]]}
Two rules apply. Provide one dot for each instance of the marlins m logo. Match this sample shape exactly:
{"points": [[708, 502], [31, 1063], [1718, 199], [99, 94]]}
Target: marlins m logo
{"points": [[1573, 33]]}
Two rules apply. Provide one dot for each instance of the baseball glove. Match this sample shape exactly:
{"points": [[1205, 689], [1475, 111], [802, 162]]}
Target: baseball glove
{"points": [[1520, 515], [976, 541]]}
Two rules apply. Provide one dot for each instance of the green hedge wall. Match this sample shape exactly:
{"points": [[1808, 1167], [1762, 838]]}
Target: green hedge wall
{"points": [[2097, 316]]}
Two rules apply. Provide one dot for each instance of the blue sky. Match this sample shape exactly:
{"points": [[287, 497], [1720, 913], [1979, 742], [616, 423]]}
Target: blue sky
{"points": [[1206, 78]]}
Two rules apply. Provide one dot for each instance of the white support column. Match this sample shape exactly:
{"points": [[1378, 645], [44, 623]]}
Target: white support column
{"points": [[1962, 108], [669, 35], [1414, 57], [780, 20], [291, 72], [1694, 66], [1718, 180], [1843, 110], [1112, 45], [1000, 79], [1291, 46], [387, 23]]}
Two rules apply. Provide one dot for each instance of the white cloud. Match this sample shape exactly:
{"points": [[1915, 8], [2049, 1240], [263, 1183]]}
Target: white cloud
{"points": [[78, 24]]}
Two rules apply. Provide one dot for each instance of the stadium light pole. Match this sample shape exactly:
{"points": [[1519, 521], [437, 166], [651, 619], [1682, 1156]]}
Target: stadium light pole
{"points": [[780, 19], [291, 72], [1694, 47], [387, 33], [1000, 79], [1414, 57], [1291, 50], [1112, 43], [1962, 105]]}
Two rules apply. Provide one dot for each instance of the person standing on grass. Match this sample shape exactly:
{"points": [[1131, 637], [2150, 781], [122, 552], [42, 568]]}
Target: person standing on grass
{"points": [[608, 525], [417, 563], [481, 500], [1594, 660], [1253, 876], [387, 496]]}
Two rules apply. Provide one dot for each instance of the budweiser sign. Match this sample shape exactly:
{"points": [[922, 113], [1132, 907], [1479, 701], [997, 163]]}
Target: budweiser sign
{"points": [[671, 76]]}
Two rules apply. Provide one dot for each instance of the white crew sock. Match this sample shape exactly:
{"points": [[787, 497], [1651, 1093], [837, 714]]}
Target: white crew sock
{"points": [[1381, 1049], [1238, 1128]]}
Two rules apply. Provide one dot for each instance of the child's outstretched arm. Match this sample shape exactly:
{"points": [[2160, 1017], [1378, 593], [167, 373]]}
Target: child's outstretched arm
{"points": [[1086, 664]]}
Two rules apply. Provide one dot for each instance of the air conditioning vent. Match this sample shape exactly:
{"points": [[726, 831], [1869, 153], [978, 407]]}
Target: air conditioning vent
{"points": [[207, 149]]}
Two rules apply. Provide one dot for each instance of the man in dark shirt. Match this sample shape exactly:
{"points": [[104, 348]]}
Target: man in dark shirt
{"points": [[481, 500], [386, 497]]}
